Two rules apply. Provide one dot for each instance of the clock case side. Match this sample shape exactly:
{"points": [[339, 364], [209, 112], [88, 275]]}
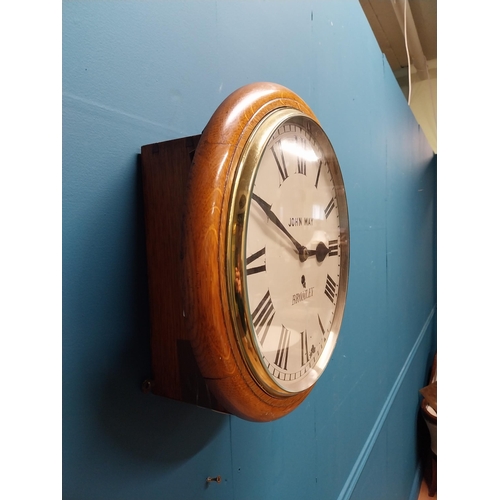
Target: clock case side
{"points": [[208, 308], [165, 171]]}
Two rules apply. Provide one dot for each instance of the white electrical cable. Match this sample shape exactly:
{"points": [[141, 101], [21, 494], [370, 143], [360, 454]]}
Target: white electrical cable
{"points": [[407, 56]]}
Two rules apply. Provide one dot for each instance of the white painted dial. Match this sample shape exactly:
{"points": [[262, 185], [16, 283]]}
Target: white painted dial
{"points": [[293, 254]]}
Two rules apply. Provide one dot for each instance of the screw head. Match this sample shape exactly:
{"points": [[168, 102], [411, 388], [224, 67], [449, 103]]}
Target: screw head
{"points": [[146, 387]]}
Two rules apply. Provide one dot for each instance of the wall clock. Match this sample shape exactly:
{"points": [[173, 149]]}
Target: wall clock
{"points": [[248, 256]]}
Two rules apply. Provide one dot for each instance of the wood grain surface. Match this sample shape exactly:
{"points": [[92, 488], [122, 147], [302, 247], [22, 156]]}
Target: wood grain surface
{"points": [[205, 230], [165, 170]]}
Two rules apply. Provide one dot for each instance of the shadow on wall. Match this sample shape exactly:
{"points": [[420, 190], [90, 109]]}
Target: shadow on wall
{"points": [[146, 426], [153, 428]]}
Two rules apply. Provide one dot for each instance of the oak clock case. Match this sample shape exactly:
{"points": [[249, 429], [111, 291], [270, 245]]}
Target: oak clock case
{"points": [[254, 231]]}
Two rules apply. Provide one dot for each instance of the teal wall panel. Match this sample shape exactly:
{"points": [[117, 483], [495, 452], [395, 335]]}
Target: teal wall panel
{"points": [[144, 71]]}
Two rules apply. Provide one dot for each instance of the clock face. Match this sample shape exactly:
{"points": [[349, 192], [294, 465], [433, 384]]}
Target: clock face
{"points": [[294, 253]]}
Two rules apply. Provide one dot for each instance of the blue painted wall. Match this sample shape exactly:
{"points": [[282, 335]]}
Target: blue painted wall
{"points": [[137, 72]]}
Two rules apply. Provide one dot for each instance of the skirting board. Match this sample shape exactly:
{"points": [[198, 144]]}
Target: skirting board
{"points": [[359, 465]]}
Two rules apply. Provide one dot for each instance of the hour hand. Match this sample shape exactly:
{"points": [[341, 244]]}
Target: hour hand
{"points": [[320, 252], [302, 250]]}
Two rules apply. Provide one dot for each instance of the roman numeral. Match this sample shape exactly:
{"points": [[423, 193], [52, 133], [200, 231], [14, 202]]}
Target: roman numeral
{"points": [[333, 247], [330, 288], [303, 347], [282, 352], [301, 149], [317, 175], [255, 256], [263, 316], [280, 160], [321, 326], [329, 207]]}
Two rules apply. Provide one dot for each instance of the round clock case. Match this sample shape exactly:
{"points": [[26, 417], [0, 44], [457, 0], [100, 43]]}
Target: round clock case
{"points": [[265, 252]]}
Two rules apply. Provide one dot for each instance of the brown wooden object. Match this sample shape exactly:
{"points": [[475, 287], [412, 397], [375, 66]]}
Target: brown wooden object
{"points": [[207, 307], [429, 392], [165, 169], [186, 209]]}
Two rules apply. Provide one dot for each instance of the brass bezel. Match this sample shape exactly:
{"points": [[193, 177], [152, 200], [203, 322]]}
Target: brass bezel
{"points": [[240, 198]]}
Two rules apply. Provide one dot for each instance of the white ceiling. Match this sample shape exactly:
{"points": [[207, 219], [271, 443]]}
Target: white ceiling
{"points": [[386, 18], [407, 30]]}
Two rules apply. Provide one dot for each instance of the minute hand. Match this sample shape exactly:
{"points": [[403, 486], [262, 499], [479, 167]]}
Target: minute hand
{"points": [[302, 250]]}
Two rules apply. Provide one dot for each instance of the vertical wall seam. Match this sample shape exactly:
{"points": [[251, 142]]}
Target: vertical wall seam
{"points": [[231, 460], [386, 205], [360, 463]]}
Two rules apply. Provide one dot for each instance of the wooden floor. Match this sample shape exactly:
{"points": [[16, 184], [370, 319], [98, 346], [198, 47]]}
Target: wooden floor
{"points": [[424, 493]]}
